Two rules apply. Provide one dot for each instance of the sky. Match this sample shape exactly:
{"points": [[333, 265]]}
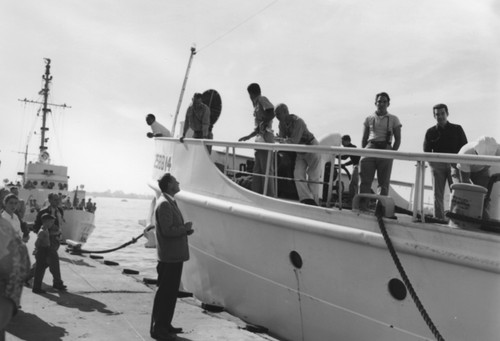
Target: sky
{"points": [[114, 62]]}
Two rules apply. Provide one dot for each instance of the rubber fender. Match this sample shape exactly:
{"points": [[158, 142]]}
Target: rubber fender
{"points": [[109, 262], [130, 272], [150, 280], [253, 328], [182, 294], [213, 308], [96, 257]]}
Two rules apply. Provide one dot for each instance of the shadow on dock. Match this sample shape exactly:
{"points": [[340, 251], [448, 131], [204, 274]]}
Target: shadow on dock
{"points": [[29, 327], [79, 262], [82, 303]]}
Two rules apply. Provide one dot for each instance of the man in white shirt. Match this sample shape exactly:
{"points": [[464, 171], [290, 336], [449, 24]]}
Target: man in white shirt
{"points": [[478, 174], [158, 130]]}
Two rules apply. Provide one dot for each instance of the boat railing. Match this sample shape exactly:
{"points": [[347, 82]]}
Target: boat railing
{"points": [[334, 155]]}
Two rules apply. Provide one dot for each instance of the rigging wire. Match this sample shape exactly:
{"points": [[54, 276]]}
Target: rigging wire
{"points": [[237, 26]]}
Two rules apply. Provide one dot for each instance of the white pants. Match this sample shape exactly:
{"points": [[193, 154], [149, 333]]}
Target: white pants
{"points": [[307, 168]]}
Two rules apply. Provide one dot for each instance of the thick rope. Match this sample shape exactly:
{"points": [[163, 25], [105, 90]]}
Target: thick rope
{"points": [[406, 280], [116, 248]]}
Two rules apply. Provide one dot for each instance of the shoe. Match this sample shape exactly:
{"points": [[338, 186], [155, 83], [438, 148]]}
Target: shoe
{"points": [[174, 330], [163, 337], [59, 286], [38, 291], [309, 202]]}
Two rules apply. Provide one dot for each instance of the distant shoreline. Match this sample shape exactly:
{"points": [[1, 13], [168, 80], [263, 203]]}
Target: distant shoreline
{"points": [[118, 194]]}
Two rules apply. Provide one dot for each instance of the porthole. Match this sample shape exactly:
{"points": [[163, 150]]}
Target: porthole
{"points": [[397, 289], [296, 259]]}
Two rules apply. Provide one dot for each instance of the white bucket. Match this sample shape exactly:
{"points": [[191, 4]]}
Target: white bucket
{"points": [[467, 200]]}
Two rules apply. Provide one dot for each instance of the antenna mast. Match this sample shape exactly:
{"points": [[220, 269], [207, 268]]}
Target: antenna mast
{"points": [[45, 109], [193, 52]]}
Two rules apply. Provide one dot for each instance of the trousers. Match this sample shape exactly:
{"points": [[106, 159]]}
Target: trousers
{"points": [[307, 168], [169, 279], [259, 168]]}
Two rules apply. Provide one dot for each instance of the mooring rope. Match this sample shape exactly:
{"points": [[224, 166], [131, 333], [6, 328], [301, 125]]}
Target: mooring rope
{"points": [[379, 214], [114, 249]]}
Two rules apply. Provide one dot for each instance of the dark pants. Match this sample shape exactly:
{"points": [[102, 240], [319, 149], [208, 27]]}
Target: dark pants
{"points": [[169, 279], [46, 258], [42, 262]]}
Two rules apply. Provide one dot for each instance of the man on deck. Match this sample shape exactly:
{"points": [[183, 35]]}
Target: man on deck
{"points": [[444, 137], [292, 129]]}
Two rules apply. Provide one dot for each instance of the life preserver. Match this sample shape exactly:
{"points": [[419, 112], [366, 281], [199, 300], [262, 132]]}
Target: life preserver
{"points": [[44, 156]]}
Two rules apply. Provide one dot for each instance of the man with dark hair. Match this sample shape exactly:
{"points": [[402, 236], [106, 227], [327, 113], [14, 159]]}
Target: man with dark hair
{"points": [[354, 161], [197, 118], [292, 129], [158, 130], [379, 130], [172, 249], [264, 114], [444, 137]]}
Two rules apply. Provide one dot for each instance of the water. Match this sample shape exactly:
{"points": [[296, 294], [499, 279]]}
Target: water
{"points": [[117, 222]]}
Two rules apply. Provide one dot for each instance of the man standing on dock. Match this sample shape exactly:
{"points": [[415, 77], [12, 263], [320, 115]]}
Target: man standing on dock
{"points": [[444, 137], [172, 248]]}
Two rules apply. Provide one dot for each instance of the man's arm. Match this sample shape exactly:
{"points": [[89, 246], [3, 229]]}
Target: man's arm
{"points": [[427, 147], [397, 137], [366, 133], [205, 124], [461, 137], [165, 220], [38, 222], [186, 125]]}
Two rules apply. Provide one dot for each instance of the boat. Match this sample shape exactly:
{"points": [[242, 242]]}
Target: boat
{"points": [[335, 271], [41, 178], [327, 272]]}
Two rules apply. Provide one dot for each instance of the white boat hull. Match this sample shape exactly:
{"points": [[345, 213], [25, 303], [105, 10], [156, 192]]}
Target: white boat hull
{"points": [[78, 225], [241, 260]]}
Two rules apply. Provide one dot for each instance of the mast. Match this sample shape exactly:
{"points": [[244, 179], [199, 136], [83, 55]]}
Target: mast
{"points": [[45, 92], [193, 52], [45, 107]]}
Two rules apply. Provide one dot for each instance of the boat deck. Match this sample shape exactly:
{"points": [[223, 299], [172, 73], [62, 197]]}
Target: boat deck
{"points": [[103, 304]]}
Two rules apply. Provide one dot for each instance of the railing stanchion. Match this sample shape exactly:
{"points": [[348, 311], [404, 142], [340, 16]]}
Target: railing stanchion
{"points": [[339, 179], [330, 181], [422, 187], [234, 164], [268, 167], [225, 161], [417, 193], [275, 154]]}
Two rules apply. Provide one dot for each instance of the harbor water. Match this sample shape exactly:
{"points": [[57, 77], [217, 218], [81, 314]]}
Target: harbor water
{"points": [[117, 222]]}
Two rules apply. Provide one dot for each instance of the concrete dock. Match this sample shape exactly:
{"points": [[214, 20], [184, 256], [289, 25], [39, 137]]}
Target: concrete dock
{"points": [[102, 304]]}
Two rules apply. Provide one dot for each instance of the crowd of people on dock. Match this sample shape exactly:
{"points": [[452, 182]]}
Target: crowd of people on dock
{"points": [[15, 268]]}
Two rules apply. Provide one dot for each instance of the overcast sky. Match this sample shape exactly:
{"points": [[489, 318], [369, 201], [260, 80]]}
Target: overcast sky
{"points": [[115, 61]]}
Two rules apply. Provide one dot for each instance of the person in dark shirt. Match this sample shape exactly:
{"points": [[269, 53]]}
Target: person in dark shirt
{"points": [[444, 137], [354, 161]]}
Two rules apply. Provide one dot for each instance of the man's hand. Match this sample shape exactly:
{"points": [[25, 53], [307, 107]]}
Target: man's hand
{"points": [[148, 228], [182, 139], [189, 227], [244, 138]]}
